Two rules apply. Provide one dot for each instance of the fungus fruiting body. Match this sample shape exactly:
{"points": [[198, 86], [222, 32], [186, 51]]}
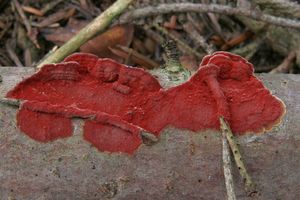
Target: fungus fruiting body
{"points": [[119, 102]]}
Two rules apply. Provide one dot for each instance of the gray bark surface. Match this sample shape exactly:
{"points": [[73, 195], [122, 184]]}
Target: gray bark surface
{"points": [[181, 165]]}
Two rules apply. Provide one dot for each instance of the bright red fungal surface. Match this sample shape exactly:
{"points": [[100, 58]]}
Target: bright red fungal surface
{"points": [[43, 127], [123, 101], [111, 138]]}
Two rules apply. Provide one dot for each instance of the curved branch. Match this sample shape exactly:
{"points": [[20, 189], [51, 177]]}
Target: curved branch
{"points": [[202, 8]]}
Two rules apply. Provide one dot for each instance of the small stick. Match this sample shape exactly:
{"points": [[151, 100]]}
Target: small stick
{"points": [[249, 185], [178, 41], [153, 35], [148, 138], [223, 110], [49, 6], [285, 66], [32, 10], [12, 54], [206, 8], [30, 31], [23, 16], [227, 166], [51, 19], [98, 25], [199, 39], [11, 102], [135, 56]]}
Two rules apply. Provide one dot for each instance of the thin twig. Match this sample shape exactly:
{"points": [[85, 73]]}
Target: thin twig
{"points": [[50, 5], [248, 50], [227, 167], [23, 16], [148, 138], [236, 40], [249, 185], [285, 65], [12, 54], [31, 33], [204, 8], [32, 10], [153, 35], [98, 25], [280, 7], [135, 56], [11, 102], [178, 41], [51, 19], [199, 39]]}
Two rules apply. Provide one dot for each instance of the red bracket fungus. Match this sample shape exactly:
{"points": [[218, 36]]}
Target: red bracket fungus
{"points": [[119, 102]]}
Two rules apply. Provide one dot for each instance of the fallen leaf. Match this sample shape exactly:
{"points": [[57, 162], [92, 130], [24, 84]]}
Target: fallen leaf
{"points": [[63, 34], [117, 35]]}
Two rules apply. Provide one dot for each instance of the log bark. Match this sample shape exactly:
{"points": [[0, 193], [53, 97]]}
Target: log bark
{"points": [[181, 165]]}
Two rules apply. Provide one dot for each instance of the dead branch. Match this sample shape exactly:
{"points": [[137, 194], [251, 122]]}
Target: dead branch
{"points": [[280, 7], [204, 8], [199, 39]]}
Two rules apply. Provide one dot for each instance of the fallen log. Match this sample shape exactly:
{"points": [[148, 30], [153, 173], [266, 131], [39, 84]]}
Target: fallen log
{"points": [[181, 165]]}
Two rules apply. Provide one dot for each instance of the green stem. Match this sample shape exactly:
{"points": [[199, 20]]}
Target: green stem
{"points": [[249, 185], [227, 168], [98, 25]]}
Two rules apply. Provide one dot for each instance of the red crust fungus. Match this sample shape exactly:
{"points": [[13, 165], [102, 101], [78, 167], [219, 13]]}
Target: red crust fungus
{"points": [[119, 102]]}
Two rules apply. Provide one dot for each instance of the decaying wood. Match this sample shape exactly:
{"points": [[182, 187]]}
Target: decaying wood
{"points": [[180, 165]]}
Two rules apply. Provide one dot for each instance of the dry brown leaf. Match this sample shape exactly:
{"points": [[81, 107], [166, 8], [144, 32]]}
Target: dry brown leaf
{"points": [[63, 34], [117, 35]]}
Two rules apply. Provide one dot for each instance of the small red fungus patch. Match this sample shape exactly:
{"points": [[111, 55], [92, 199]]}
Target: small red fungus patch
{"points": [[122, 101], [43, 127], [111, 138]]}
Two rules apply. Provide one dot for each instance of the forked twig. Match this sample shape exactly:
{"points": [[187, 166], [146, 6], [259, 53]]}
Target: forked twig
{"points": [[249, 185], [226, 157]]}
